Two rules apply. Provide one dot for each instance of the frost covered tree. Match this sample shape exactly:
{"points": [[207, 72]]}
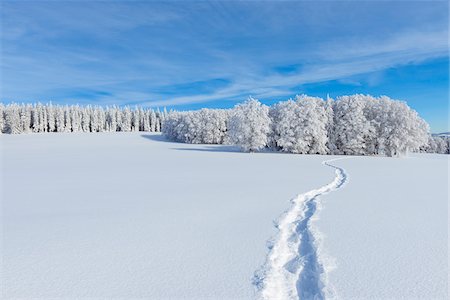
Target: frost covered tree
{"points": [[75, 118], [111, 119], [37, 118], [356, 124], [249, 125], [351, 127], [287, 133], [365, 125], [441, 145], [399, 129], [12, 120], [205, 126], [447, 142], [431, 145], [97, 119], [331, 141], [119, 119], [145, 121], [135, 120], [153, 121], [126, 120], [158, 122], [407, 131], [172, 127], [67, 119], [2, 118], [85, 119], [25, 118], [44, 120], [300, 126], [436, 144], [214, 125], [51, 118], [102, 119], [59, 119]]}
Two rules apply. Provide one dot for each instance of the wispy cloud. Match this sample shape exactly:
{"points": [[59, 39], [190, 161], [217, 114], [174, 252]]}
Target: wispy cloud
{"points": [[405, 49], [176, 53]]}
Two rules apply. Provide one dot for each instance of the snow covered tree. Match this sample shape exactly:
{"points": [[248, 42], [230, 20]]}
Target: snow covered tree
{"points": [[135, 119], [111, 119], [430, 146], [214, 125], [153, 121], [145, 121], [44, 119], [172, 126], [59, 119], [300, 126], [205, 126], [67, 119], [85, 119], [331, 141], [126, 119], [447, 141], [25, 117], [249, 125], [37, 118], [12, 119], [101, 119], [287, 128], [119, 119], [75, 118], [401, 128], [441, 145], [97, 119], [351, 127], [158, 122], [2, 118], [51, 118]]}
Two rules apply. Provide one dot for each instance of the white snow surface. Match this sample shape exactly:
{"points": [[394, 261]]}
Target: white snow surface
{"points": [[130, 215], [387, 230], [294, 269]]}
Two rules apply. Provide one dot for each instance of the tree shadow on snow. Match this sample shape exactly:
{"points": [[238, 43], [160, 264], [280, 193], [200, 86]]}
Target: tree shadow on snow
{"points": [[200, 148], [217, 148], [155, 137]]}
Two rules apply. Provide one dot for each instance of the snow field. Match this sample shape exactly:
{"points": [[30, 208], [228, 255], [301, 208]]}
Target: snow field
{"points": [[294, 269], [387, 230], [128, 215]]}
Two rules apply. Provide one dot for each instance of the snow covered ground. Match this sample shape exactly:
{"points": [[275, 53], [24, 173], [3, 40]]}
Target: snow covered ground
{"points": [[122, 215], [129, 215], [387, 230]]}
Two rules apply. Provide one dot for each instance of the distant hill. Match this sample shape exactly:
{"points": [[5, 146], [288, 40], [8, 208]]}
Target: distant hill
{"points": [[441, 134]]}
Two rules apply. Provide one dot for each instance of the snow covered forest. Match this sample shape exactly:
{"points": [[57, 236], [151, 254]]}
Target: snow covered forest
{"points": [[349, 125], [26, 118]]}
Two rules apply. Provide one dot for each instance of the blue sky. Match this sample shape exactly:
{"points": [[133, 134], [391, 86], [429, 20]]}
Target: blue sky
{"points": [[193, 54]]}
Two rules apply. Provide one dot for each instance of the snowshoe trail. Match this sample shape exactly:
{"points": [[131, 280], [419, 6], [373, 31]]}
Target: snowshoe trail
{"points": [[293, 269]]}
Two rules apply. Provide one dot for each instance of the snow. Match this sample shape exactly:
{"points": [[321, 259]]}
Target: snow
{"points": [[130, 215], [293, 269], [122, 215], [387, 230]]}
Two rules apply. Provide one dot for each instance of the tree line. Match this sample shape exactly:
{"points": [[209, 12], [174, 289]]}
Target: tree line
{"points": [[350, 125], [26, 118]]}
